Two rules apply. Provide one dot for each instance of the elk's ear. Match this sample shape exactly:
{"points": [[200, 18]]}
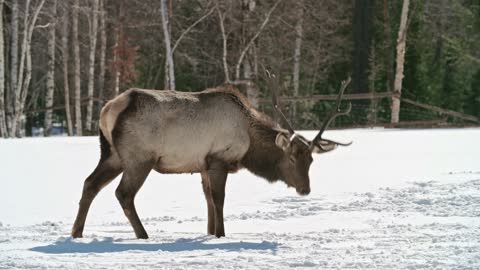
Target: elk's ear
{"points": [[327, 147], [282, 141]]}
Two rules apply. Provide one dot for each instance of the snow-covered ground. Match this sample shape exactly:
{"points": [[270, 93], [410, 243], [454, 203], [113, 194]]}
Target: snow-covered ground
{"points": [[395, 199]]}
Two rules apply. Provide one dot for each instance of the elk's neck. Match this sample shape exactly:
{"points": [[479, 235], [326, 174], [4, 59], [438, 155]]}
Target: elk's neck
{"points": [[263, 156]]}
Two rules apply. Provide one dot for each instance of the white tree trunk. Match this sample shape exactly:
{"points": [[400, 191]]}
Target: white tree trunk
{"points": [[66, 86], [51, 70], [3, 126], [116, 88], [76, 77], [247, 56], [168, 46], [224, 39], [18, 71], [297, 53], [401, 41], [11, 95], [252, 40], [91, 68], [251, 88], [25, 70], [103, 53]]}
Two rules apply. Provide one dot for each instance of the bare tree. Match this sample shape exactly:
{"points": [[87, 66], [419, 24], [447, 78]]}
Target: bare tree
{"points": [[247, 58], [297, 52], [168, 48], [221, 19], [3, 126], [116, 75], [372, 112], [116, 48], [91, 68], [248, 53], [255, 36], [103, 53], [51, 69], [66, 86], [76, 77], [388, 46], [401, 41], [185, 32], [10, 108], [25, 69]]}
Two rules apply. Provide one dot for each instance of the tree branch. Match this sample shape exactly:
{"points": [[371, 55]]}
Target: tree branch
{"points": [[242, 55], [168, 48], [190, 28], [224, 37]]}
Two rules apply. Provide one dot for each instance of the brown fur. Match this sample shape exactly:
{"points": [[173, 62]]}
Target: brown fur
{"points": [[263, 155]]}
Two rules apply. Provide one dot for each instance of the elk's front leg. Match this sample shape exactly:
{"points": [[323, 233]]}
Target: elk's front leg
{"points": [[208, 197], [217, 176]]}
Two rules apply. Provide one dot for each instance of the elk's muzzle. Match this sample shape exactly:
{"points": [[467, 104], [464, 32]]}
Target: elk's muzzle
{"points": [[303, 191]]}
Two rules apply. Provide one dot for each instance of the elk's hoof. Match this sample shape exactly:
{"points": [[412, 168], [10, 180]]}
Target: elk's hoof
{"points": [[142, 236], [77, 234]]}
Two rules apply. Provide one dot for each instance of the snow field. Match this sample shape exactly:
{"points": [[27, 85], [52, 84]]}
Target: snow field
{"points": [[395, 199]]}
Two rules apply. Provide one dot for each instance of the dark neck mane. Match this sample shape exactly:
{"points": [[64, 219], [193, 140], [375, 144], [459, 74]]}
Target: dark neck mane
{"points": [[263, 155]]}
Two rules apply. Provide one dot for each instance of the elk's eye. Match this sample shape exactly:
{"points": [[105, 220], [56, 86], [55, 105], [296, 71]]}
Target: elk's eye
{"points": [[292, 159]]}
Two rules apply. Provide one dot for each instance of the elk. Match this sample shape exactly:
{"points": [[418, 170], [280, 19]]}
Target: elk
{"points": [[213, 132]]}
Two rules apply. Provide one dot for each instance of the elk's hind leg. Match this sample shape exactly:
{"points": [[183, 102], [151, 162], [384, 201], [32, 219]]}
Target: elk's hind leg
{"points": [[208, 196], [106, 170], [132, 180]]}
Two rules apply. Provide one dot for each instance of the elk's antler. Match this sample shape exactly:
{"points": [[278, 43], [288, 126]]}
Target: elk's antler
{"points": [[274, 87], [333, 114]]}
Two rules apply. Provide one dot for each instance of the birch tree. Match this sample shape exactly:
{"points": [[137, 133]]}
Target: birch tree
{"points": [[248, 65], [65, 54], [91, 68], [10, 108], [401, 41], [116, 48], [168, 48], [51, 69], [249, 68], [297, 52], [170, 72], [3, 126], [25, 68], [221, 19], [103, 53], [76, 77], [116, 75]]}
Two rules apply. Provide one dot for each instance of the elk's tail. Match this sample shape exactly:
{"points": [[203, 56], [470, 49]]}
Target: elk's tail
{"points": [[105, 146]]}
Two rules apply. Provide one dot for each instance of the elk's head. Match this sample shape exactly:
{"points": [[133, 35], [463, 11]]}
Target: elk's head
{"points": [[295, 163]]}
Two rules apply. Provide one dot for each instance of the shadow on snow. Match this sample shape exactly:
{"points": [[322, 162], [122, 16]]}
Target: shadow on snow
{"points": [[108, 245]]}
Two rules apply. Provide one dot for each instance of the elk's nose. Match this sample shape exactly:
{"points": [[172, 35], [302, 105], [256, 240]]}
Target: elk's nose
{"points": [[303, 191]]}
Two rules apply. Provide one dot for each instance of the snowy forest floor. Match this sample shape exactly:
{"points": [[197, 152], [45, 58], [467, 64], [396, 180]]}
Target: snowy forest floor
{"points": [[395, 199]]}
